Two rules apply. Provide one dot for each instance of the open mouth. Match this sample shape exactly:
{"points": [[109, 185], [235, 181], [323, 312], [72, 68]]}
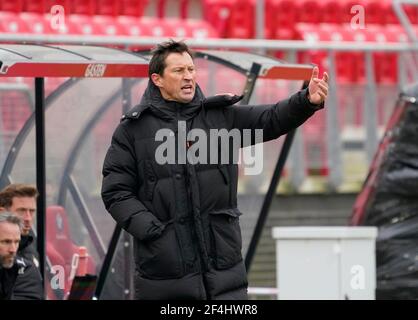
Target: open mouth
{"points": [[187, 88]]}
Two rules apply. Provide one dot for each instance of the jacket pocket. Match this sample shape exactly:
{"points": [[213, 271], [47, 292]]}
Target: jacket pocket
{"points": [[150, 180], [160, 258], [226, 237]]}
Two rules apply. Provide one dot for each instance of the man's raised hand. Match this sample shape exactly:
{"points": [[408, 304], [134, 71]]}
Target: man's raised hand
{"points": [[318, 88]]}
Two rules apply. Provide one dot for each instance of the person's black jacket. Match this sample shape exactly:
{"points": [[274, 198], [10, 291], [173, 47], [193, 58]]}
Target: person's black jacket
{"points": [[27, 248], [183, 217], [29, 285], [7, 281], [21, 282]]}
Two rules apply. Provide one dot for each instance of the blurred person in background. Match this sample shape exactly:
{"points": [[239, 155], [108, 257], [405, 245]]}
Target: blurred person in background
{"points": [[19, 278], [20, 199]]}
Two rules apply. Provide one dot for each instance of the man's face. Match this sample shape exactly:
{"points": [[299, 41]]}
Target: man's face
{"points": [[178, 82], [9, 243], [25, 208]]}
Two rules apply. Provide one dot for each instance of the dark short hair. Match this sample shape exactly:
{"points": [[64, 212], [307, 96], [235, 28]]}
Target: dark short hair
{"points": [[18, 190], [160, 53]]}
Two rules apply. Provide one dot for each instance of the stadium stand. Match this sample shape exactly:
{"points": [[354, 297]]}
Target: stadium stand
{"points": [[308, 20], [221, 18]]}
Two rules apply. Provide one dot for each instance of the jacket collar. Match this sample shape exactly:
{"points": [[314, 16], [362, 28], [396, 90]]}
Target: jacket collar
{"points": [[26, 241], [153, 101], [169, 110]]}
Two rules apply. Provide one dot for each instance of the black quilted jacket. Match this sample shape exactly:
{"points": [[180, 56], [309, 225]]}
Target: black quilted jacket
{"points": [[184, 216]]}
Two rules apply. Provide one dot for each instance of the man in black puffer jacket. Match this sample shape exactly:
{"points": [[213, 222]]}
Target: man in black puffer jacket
{"points": [[183, 213]]}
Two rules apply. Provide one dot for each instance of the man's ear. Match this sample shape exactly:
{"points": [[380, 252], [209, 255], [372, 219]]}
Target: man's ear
{"points": [[156, 78], [2, 209]]}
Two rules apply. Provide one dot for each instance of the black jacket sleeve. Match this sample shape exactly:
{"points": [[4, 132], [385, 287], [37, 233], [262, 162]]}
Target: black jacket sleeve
{"points": [[275, 120], [120, 186], [29, 284]]}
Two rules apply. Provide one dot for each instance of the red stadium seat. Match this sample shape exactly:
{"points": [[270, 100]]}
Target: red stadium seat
{"points": [[412, 13], [108, 8], [347, 6], [38, 6], [375, 12], [201, 29], [331, 12], [134, 26], [15, 6], [110, 25], [45, 6], [270, 18], [311, 33], [308, 11], [345, 62], [157, 27], [391, 17], [86, 24], [11, 23], [87, 7], [55, 259], [161, 6], [359, 71], [59, 240], [173, 27], [284, 19], [37, 23], [241, 20], [66, 4], [133, 8], [385, 64], [184, 9], [176, 27], [69, 27], [42, 24], [181, 28], [61, 249], [218, 13]]}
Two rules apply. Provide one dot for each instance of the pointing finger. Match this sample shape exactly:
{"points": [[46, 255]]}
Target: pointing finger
{"points": [[315, 72]]}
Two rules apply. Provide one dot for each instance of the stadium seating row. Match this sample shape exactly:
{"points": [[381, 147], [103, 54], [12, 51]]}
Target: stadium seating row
{"points": [[26, 22], [87, 7], [350, 65], [235, 18], [230, 18]]}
